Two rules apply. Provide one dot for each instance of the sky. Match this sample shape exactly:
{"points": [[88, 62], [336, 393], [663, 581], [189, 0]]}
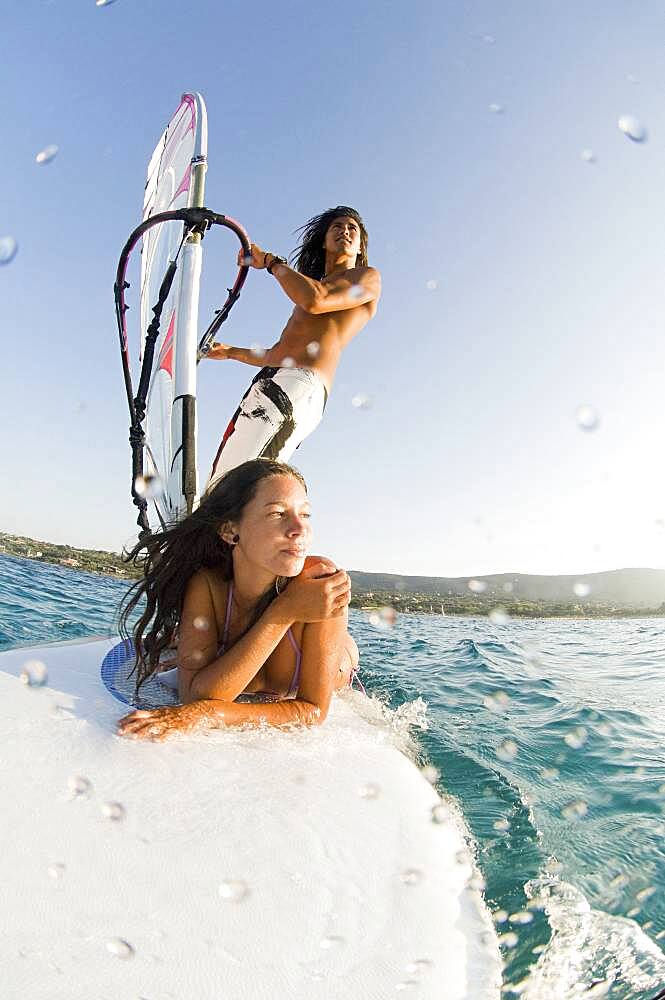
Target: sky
{"points": [[517, 229]]}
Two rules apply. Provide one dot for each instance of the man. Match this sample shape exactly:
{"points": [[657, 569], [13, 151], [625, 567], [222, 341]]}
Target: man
{"points": [[335, 294]]}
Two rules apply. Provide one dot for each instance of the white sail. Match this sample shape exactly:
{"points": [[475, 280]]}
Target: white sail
{"points": [[175, 180]]}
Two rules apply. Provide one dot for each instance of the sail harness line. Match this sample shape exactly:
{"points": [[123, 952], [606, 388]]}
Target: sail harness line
{"points": [[196, 220]]}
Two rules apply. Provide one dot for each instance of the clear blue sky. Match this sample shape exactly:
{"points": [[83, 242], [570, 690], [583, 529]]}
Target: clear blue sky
{"points": [[549, 269]]}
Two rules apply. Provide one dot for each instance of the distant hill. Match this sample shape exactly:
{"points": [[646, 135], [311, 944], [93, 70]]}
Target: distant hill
{"points": [[636, 588]]}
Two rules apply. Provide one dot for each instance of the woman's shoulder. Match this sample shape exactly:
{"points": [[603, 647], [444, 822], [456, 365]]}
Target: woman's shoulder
{"points": [[211, 582]]}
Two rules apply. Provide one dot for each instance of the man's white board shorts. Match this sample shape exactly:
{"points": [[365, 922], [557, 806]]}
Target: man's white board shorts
{"points": [[279, 410]]}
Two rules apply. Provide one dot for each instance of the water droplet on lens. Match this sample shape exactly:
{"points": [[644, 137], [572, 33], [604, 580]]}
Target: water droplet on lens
{"points": [[369, 791], [599, 989], [489, 39], [500, 916], [581, 589], [201, 623], [631, 78], [113, 810], [588, 156], [8, 249], [497, 702], [501, 825], [645, 893], [258, 350], [411, 876], [313, 349], [499, 616], [331, 941], [508, 940], [79, 786], [34, 673], [431, 285], [288, 363], [440, 813], [633, 128], [419, 966], [507, 750], [549, 772], [233, 889], [430, 773], [496, 109], [575, 810], [56, 870], [47, 154], [406, 984], [355, 291], [476, 882], [477, 586], [521, 917], [120, 948], [587, 417], [576, 738], [103, 3], [660, 935], [149, 486], [508, 588], [619, 881], [361, 401]]}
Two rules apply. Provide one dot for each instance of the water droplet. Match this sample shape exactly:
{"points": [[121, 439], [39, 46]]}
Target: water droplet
{"points": [[574, 810], [581, 588], [332, 941], [34, 673], [645, 893], [587, 417], [103, 3], [501, 825], [233, 889], [477, 586], [549, 772], [113, 810], [476, 882], [406, 984], [47, 154], [633, 128], [356, 291], [499, 616], [8, 249], [369, 791], [497, 702], [120, 948], [489, 39], [633, 913], [576, 738], [411, 876], [500, 916], [604, 728], [288, 362], [201, 623], [440, 814], [588, 156], [56, 870], [521, 917], [599, 989], [258, 350], [508, 940], [430, 773], [431, 285], [631, 78], [79, 786], [507, 750], [361, 401], [508, 588], [539, 949], [497, 109], [313, 349], [619, 881], [660, 935], [149, 486], [419, 966]]}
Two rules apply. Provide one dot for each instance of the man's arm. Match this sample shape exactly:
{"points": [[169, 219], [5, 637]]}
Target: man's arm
{"points": [[224, 352], [316, 298]]}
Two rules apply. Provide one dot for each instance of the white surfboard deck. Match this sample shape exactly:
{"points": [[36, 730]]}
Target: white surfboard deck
{"points": [[344, 893]]}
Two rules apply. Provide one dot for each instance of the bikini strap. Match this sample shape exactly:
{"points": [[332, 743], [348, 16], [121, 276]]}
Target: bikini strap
{"points": [[296, 676], [228, 615]]}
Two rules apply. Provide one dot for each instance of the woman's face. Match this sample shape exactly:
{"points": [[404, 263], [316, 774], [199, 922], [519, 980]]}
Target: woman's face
{"points": [[274, 530]]}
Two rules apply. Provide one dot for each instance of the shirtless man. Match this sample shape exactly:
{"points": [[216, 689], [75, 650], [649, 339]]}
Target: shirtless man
{"points": [[335, 294]]}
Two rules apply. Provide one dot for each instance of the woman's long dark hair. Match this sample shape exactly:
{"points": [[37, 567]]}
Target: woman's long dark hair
{"points": [[310, 256], [173, 555]]}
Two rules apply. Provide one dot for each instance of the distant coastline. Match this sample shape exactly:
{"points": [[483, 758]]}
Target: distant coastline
{"points": [[631, 593]]}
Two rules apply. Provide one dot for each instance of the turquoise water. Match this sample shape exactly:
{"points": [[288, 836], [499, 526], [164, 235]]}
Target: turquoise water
{"points": [[549, 734]]}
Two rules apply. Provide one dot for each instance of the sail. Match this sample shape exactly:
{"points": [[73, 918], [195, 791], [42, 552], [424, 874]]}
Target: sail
{"points": [[175, 181]]}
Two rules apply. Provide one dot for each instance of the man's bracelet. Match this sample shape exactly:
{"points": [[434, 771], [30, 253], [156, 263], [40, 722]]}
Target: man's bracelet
{"points": [[275, 260]]}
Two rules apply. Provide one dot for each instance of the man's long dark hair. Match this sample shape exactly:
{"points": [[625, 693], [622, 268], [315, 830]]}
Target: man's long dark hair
{"points": [[310, 256], [174, 555]]}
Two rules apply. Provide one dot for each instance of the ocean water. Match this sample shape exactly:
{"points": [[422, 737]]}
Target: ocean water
{"points": [[549, 736]]}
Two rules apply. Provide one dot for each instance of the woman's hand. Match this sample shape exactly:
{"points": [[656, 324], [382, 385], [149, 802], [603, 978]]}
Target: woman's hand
{"points": [[161, 723], [321, 591]]}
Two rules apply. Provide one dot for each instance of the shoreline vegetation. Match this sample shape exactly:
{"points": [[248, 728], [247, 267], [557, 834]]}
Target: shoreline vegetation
{"points": [[502, 596]]}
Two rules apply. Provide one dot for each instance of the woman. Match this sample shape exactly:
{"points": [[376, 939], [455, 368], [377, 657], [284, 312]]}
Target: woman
{"points": [[219, 578]]}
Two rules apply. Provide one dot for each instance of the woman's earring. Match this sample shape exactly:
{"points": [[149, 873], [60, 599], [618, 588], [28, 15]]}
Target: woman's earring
{"points": [[236, 539]]}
